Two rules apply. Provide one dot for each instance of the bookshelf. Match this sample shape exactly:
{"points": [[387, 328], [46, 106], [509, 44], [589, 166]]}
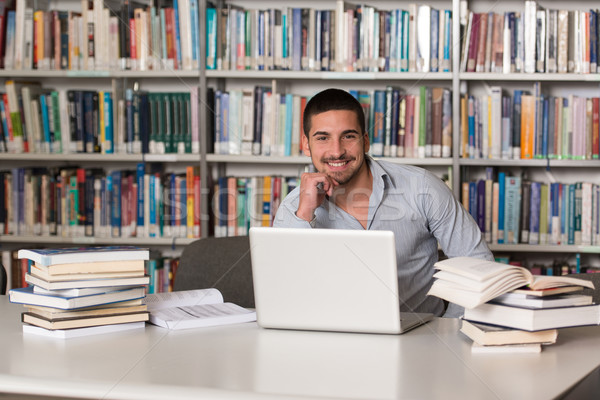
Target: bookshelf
{"points": [[212, 166]]}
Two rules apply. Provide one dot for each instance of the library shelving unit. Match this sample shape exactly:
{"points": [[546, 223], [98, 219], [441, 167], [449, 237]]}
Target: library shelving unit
{"points": [[213, 165]]}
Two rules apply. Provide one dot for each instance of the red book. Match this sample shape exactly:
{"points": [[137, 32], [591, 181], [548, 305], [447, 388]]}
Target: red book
{"points": [[302, 107], [132, 41], [169, 31], [473, 42], [197, 209], [7, 117]]}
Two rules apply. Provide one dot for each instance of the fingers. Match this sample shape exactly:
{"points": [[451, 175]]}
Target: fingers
{"points": [[313, 188]]}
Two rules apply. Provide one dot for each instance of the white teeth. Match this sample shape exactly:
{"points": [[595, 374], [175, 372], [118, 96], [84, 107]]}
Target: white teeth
{"points": [[337, 164]]}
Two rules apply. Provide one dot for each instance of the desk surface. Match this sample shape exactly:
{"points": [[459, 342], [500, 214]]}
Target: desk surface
{"points": [[245, 361]]}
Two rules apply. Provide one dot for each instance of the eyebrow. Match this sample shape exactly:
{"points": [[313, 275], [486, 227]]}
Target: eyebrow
{"points": [[343, 133]]}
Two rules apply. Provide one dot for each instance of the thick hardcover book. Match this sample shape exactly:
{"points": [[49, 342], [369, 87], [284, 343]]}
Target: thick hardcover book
{"points": [[28, 296], [73, 323], [534, 319], [71, 255], [490, 335]]}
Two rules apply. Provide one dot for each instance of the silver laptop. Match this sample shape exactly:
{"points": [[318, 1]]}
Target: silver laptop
{"points": [[328, 280]]}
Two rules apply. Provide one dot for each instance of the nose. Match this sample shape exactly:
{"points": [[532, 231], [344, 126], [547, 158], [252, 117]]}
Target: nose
{"points": [[337, 149]]}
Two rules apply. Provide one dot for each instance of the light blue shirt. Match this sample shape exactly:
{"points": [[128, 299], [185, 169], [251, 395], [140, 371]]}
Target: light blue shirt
{"points": [[421, 211]]}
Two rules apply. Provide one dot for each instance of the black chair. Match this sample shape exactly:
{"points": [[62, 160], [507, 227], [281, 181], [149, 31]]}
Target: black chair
{"points": [[595, 278], [3, 280], [221, 263]]}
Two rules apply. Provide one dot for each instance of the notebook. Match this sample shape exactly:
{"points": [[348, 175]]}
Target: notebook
{"points": [[328, 280]]}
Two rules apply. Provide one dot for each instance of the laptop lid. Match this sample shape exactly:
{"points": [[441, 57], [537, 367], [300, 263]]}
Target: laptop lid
{"points": [[327, 280]]}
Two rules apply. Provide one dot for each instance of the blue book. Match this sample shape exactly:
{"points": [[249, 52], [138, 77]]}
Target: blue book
{"points": [[564, 212], [471, 123], [211, 38], [481, 205], [3, 117], [473, 200], [152, 222], [434, 53], [512, 209], [551, 146], [108, 124], [171, 220], [129, 119], [326, 49], [501, 201], [10, 39], [446, 62], [89, 203], [554, 222], [139, 177], [261, 41], [115, 220], [27, 296], [224, 122], [404, 54], [544, 147], [379, 109], [571, 220], [296, 39], [394, 122], [516, 126], [88, 121], [194, 30], [45, 124], [285, 46], [534, 213]]}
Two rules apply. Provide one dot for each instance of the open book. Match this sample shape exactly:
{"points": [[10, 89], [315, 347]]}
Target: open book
{"points": [[469, 282], [194, 309]]}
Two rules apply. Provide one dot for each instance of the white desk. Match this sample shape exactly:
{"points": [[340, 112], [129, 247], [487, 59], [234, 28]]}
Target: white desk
{"points": [[244, 361]]}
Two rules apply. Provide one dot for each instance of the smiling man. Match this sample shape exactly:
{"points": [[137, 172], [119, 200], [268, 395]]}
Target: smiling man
{"points": [[350, 190]]}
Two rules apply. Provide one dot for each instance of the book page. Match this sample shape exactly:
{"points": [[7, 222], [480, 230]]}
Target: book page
{"points": [[201, 315], [481, 270], [159, 301], [545, 282]]}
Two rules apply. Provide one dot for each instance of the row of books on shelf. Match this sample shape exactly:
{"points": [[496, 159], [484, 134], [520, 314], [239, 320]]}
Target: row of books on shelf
{"points": [[75, 202], [130, 36], [39, 120], [143, 203], [531, 40], [244, 202], [527, 126], [158, 274], [347, 38], [510, 210], [507, 309], [261, 121]]}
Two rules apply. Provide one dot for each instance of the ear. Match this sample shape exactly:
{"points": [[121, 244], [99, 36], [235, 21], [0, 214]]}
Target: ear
{"points": [[305, 146], [367, 142]]}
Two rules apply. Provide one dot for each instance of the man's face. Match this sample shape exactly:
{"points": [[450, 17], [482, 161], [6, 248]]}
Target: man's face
{"points": [[336, 144]]}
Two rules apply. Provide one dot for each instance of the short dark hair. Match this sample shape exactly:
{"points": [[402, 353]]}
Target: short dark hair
{"points": [[332, 99]]}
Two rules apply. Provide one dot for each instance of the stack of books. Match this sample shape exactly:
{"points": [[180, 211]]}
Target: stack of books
{"points": [[83, 291], [507, 306]]}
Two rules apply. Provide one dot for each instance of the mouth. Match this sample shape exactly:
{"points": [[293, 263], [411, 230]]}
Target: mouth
{"points": [[337, 164]]}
